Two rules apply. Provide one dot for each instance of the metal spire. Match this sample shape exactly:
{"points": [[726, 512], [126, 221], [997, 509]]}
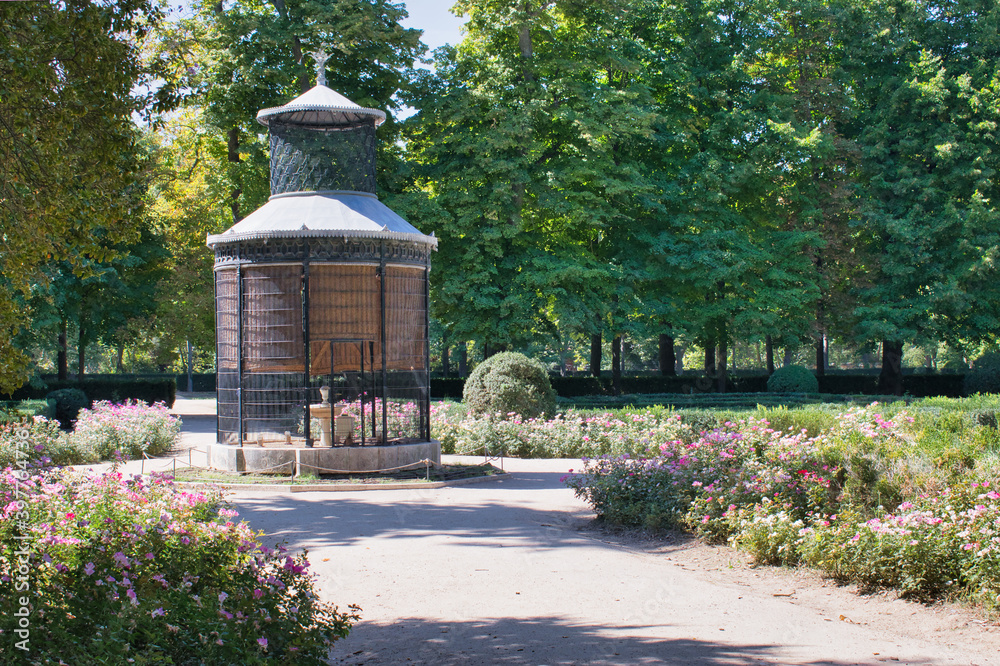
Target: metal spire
{"points": [[320, 56]]}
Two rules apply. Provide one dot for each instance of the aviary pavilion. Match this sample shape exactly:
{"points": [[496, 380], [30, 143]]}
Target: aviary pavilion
{"points": [[322, 307]]}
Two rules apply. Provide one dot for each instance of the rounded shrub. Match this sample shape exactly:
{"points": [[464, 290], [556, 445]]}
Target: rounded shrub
{"points": [[985, 375], [507, 383], [792, 379], [69, 402]]}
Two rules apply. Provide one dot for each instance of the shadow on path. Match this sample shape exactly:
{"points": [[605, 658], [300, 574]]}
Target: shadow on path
{"points": [[336, 520], [541, 640]]}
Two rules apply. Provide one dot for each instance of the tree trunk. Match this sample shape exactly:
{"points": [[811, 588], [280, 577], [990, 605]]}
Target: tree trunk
{"points": [[787, 360], [616, 363], [710, 360], [821, 355], [233, 154], [446, 360], [463, 360], [62, 358], [666, 357], [769, 351], [723, 353], [190, 367], [527, 51], [890, 380], [596, 352], [81, 355], [120, 360]]}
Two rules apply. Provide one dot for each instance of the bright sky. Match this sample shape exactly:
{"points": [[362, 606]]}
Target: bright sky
{"points": [[440, 26]]}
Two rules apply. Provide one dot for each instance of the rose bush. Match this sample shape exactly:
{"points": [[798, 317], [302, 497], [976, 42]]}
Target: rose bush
{"points": [[133, 570], [128, 430], [866, 500]]}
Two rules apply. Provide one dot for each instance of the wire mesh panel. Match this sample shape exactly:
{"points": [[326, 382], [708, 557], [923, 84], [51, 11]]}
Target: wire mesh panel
{"points": [[272, 318], [273, 350], [227, 313], [406, 344], [308, 158], [272, 406]]}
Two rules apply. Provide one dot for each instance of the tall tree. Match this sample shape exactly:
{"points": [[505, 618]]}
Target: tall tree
{"points": [[524, 142], [67, 71], [237, 58], [927, 76]]}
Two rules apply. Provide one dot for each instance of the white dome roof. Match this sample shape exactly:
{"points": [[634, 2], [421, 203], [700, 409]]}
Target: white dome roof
{"points": [[323, 214], [319, 106]]}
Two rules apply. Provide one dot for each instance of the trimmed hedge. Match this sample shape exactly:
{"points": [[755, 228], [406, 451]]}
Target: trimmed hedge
{"points": [[510, 383], [114, 390], [837, 383], [792, 379], [447, 387], [28, 408]]}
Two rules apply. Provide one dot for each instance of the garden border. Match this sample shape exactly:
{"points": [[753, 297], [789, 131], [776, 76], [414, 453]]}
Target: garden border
{"points": [[342, 487]]}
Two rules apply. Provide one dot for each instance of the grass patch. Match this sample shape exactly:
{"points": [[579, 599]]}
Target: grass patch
{"points": [[416, 476]]}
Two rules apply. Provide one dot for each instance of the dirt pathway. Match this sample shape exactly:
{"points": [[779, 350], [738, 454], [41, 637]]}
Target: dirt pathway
{"points": [[516, 572]]}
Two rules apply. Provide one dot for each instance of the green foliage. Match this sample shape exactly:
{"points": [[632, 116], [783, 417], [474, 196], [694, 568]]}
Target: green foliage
{"points": [[68, 149], [34, 442], [17, 409], [527, 166], [189, 585], [112, 388], [568, 435], [69, 402], [127, 431], [985, 375], [792, 379], [510, 383], [926, 128]]}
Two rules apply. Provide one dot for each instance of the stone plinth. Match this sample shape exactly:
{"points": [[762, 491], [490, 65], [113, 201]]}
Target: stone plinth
{"points": [[312, 461]]}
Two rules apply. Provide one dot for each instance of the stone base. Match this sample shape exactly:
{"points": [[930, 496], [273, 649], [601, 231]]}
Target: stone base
{"points": [[303, 461]]}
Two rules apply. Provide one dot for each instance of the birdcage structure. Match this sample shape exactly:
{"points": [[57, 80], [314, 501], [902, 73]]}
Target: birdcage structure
{"points": [[322, 305]]}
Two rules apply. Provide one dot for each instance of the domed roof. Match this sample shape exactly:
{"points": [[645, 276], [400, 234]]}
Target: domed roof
{"points": [[320, 106], [323, 214]]}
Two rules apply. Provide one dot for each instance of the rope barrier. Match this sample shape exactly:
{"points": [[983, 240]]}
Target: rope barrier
{"points": [[426, 462]]}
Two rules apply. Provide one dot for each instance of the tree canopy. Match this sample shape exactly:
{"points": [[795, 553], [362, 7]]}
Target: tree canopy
{"points": [[704, 171]]}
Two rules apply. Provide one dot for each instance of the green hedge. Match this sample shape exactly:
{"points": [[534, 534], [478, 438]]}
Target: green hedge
{"points": [[116, 390], [447, 387], [29, 408], [836, 383]]}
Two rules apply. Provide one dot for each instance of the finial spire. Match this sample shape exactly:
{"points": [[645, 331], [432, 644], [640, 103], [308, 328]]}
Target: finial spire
{"points": [[320, 56]]}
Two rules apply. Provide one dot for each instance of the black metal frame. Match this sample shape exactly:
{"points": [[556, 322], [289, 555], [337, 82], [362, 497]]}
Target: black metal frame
{"points": [[306, 249]]}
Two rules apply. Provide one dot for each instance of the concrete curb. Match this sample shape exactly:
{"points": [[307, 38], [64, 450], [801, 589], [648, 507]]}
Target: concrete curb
{"points": [[340, 487]]}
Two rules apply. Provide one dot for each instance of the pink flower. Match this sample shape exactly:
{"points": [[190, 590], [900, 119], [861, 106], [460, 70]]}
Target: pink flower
{"points": [[262, 642]]}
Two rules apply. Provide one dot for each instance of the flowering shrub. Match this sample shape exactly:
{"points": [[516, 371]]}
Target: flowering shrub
{"points": [[128, 430], [861, 500], [126, 570], [44, 444], [568, 435], [701, 483]]}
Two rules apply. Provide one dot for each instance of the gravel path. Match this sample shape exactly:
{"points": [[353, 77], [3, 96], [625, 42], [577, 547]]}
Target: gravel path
{"points": [[516, 571]]}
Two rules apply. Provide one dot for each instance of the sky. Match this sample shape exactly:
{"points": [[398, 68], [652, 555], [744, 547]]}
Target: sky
{"points": [[440, 26]]}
